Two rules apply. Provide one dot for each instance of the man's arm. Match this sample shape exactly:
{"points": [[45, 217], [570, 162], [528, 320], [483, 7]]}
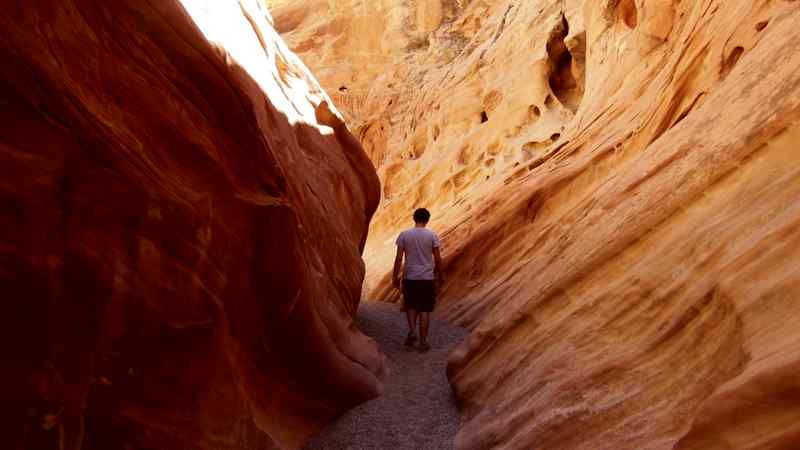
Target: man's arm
{"points": [[398, 264], [437, 270]]}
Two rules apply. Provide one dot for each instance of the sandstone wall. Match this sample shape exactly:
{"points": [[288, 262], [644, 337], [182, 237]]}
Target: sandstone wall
{"points": [[617, 190], [182, 215]]}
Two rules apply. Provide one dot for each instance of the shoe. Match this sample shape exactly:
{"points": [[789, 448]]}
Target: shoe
{"points": [[423, 347], [410, 340]]}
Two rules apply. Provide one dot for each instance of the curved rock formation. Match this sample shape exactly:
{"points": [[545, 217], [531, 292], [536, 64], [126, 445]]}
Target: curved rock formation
{"points": [[182, 219], [616, 187]]}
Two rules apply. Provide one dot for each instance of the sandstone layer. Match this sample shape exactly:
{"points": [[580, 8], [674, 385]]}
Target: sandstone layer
{"points": [[172, 177], [617, 190]]}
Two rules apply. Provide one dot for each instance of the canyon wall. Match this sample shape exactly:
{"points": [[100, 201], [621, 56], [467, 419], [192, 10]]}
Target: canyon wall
{"points": [[182, 217], [617, 189]]}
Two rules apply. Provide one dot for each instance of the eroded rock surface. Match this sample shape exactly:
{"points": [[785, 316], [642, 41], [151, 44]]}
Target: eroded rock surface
{"points": [[181, 220], [617, 190]]}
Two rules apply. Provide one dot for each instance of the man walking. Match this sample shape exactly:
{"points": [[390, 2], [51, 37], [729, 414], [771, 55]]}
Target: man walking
{"points": [[422, 272]]}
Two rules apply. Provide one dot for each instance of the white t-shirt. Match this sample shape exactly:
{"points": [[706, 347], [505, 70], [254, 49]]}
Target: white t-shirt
{"points": [[418, 244]]}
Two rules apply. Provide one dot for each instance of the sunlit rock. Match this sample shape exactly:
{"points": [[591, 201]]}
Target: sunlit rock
{"points": [[616, 188]]}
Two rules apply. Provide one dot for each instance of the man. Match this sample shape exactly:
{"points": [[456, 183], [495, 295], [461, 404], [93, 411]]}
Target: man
{"points": [[422, 272]]}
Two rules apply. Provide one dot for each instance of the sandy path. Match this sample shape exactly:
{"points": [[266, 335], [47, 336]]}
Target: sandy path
{"points": [[417, 410]]}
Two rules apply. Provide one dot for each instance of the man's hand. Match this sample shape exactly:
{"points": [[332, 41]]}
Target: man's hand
{"points": [[398, 263], [437, 258]]}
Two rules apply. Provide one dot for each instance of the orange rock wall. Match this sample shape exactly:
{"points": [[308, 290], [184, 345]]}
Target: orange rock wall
{"points": [[617, 190], [171, 179]]}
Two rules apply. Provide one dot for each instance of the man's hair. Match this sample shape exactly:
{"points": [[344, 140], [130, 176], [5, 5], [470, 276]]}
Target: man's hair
{"points": [[422, 215]]}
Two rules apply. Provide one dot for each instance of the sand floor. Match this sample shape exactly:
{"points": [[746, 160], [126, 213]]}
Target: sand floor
{"points": [[417, 410]]}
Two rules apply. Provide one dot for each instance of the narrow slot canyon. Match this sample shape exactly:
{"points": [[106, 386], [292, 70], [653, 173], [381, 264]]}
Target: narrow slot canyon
{"points": [[202, 201]]}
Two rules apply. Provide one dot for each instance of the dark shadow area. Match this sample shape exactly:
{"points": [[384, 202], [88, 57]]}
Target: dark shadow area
{"points": [[161, 221]]}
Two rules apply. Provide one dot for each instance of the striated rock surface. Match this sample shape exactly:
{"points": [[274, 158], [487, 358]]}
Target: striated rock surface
{"points": [[617, 187], [181, 220]]}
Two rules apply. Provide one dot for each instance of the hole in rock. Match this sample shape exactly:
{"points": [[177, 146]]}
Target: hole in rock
{"points": [[549, 102], [761, 25], [460, 179], [465, 155], [394, 179], [534, 113], [629, 13], [418, 43], [689, 109], [566, 69], [531, 149], [730, 61], [484, 117], [343, 89], [492, 99], [535, 164]]}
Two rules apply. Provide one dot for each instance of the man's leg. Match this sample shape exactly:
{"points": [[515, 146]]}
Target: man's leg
{"points": [[426, 307], [412, 316], [424, 324]]}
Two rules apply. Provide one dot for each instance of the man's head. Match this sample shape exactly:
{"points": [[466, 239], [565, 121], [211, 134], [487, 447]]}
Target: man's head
{"points": [[422, 216]]}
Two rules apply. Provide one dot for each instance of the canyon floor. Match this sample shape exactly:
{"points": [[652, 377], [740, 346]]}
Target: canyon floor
{"points": [[417, 409]]}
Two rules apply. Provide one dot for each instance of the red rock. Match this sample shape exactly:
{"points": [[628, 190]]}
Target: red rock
{"points": [[181, 225]]}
